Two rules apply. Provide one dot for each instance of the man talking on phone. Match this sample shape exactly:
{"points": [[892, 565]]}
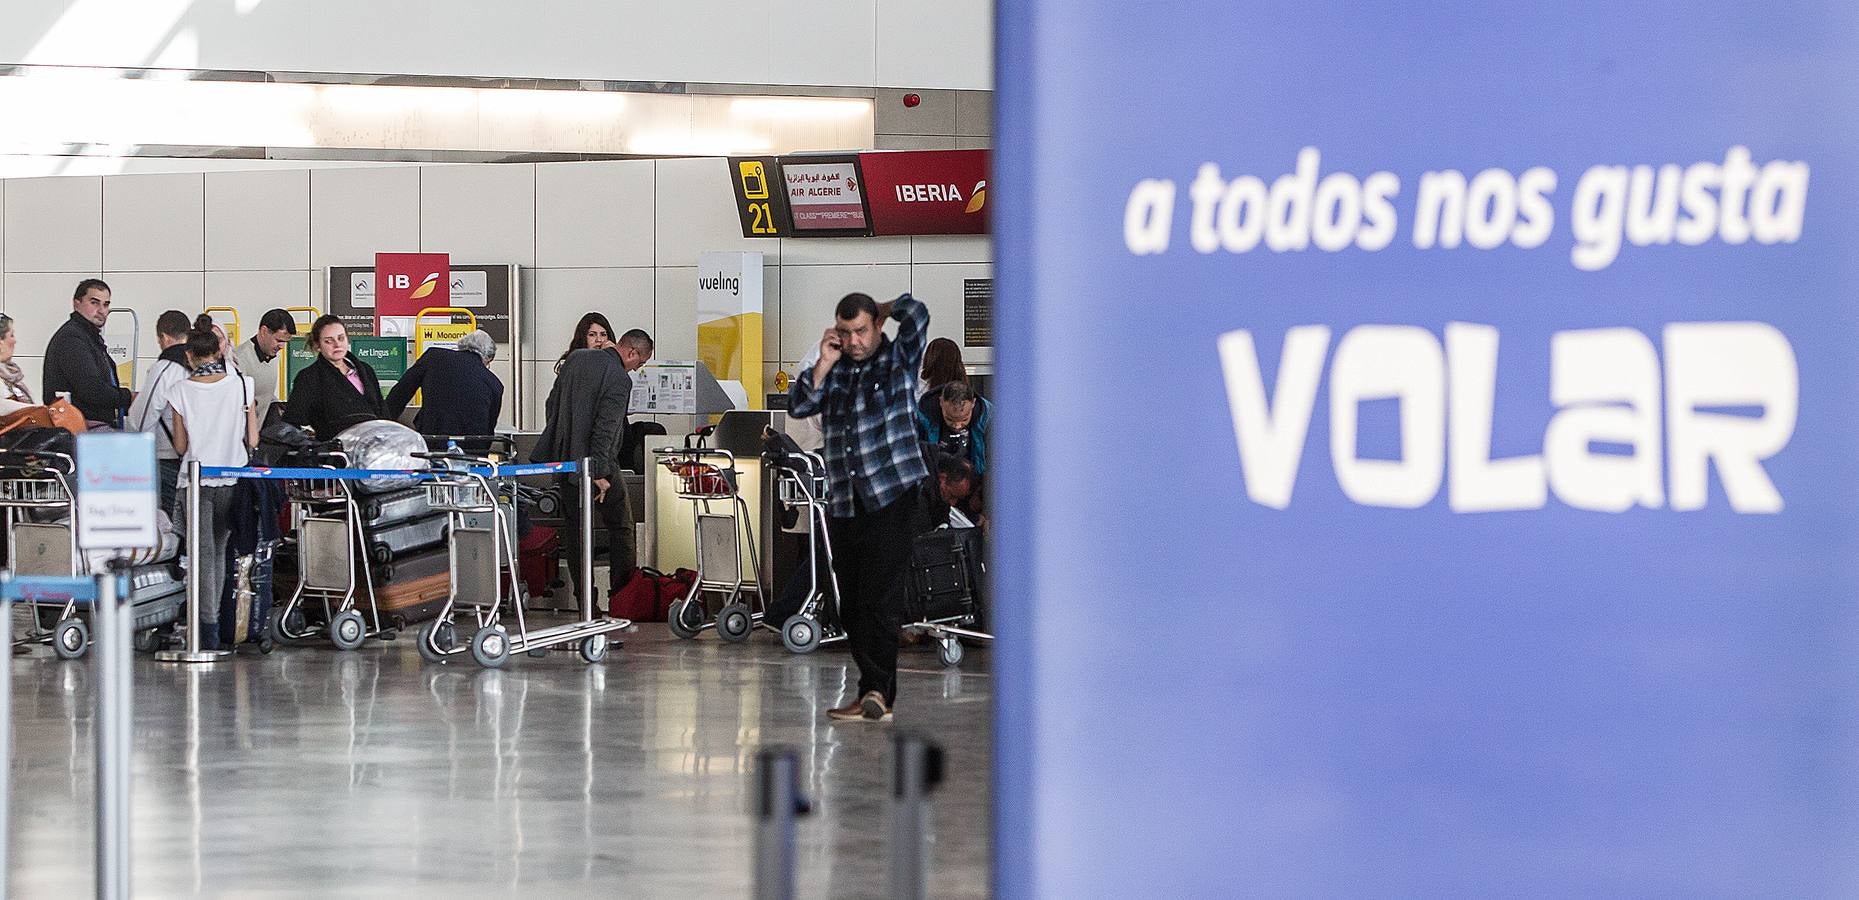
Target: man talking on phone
{"points": [[863, 388]]}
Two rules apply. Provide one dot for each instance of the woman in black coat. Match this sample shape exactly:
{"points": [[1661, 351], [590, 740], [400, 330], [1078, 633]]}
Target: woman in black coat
{"points": [[337, 390]]}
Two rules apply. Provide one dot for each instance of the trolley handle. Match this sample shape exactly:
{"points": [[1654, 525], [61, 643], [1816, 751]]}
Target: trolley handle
{"points": [[502, 444], [697, 439]]}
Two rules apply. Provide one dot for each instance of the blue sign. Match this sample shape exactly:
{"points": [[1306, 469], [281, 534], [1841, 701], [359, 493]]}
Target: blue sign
{"points": [[1427, 454]]}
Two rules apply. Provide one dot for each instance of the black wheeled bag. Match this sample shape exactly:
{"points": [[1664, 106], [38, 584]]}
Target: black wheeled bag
{"points": [[946, 574], [406, 538]]}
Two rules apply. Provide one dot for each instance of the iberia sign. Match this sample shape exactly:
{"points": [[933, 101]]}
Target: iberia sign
{"points": [[927, 191]]}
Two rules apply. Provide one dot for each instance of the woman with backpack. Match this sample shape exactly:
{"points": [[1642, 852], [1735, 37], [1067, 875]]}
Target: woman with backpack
{"points": [[216, 424]]}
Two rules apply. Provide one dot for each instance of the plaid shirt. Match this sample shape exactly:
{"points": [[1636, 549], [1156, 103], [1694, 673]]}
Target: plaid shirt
{"points": [[870, 417]]}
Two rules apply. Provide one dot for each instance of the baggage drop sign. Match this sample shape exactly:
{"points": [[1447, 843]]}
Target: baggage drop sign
{"points": [[116, 491]]}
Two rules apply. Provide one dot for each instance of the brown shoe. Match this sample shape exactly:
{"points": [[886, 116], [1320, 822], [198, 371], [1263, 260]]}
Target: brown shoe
{"points": [[850, 712], [873, 707]]}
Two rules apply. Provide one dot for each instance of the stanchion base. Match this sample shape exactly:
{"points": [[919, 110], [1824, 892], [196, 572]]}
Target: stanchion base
{"points": [[197, 656]]}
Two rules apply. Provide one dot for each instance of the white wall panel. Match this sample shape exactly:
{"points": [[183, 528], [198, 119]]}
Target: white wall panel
{"points": [[676, 328], [809, 293], [940, 289], [252, 293], [258, 220], [539, 378], [952, 248], [356, 213], [935, 44], [844, 252], [563, 296], [596, 214], [54, 225], [479, 214], [902, 43], [149, 294], [39, 302], [153, 223], [696, 213]]}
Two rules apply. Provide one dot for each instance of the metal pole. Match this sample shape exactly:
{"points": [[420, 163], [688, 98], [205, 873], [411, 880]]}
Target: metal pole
{"points": [[6, 732], [778, 802], [918, 771], [585, 481], [195, 569], [114, 701]]}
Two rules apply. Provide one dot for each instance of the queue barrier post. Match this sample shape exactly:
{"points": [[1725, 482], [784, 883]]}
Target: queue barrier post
{"points": [[917, 772], [778, 803], [193, 652]]}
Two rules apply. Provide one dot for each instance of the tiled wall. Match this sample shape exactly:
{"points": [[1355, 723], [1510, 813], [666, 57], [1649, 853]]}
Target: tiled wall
{"points": [[619, 237], [941, 120]]}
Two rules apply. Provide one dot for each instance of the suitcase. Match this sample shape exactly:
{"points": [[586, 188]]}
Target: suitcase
{"points": [[390, 543], [414, 600], [394, 507], [945, 575], [156, 596], [540, 555], [416, 565]]}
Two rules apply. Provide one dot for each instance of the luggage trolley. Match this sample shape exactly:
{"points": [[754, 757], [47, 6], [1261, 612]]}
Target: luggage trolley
{"points": [[41, 480], [330, 544], [801, 484], [707, 475], [482, 550], [947, 575]]}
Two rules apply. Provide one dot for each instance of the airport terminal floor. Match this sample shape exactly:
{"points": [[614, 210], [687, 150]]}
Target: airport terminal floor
{"points": [[313, 772]]}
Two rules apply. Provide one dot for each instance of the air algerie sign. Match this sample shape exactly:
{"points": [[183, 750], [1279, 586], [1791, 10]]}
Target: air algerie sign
{"points": [[927, 191]]}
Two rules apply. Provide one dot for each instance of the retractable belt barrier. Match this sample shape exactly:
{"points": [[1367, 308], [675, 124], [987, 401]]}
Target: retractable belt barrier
{"points": [[515, 470]]}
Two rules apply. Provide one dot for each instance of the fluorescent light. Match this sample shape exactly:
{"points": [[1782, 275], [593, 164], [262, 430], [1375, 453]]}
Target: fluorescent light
{"points": [[60, 107]]}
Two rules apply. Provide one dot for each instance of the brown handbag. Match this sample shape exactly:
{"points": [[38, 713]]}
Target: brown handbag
{"points": [[66, 416], [58, 414]]}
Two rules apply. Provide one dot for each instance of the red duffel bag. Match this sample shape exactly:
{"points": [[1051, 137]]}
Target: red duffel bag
{"points": [[647, 594]]}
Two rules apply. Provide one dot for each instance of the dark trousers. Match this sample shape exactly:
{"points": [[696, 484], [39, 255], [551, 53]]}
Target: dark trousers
{"points": [[167, 473], [871, 556], [614, 514]]}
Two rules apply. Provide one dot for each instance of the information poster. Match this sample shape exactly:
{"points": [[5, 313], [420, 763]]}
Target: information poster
{"points": [[1495, 531], [665, 386], [978, 312]]}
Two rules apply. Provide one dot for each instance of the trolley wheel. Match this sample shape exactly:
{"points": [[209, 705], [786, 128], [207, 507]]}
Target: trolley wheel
{"points": [[146, 641], [347, 630], [800, 634], [70, 637], [734, 622], [594, 648], [266, 645], [949, 650], [687, 617], [537, 652], [490, 646], [437, 632], [294, 625]]}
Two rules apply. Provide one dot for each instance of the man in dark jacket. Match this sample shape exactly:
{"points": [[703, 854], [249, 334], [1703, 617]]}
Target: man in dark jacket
{"points": [[956, 420], [78, 363], [462, 396], [587, 411]]}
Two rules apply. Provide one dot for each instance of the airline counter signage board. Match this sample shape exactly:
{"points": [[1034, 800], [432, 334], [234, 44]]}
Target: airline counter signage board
{"points": [[387, 356], [760, 201], [926, 191], [1516, 364], [404, 284], [486, 290], [825, 195]]}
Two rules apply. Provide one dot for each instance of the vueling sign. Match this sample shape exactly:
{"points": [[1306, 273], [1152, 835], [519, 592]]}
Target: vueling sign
{"points": [[1608, 385]]}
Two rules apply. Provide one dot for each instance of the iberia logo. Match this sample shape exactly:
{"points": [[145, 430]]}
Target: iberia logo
{"points": [[978, 197], [426, 287]]}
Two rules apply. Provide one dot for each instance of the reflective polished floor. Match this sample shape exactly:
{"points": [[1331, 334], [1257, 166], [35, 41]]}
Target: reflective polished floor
{"points": [[313, 772]]}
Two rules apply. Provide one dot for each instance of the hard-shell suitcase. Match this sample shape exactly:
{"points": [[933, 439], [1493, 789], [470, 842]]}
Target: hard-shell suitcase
{"points": [[390, 543], [394, 507], [156, 596], [945, 575], [414, 565], [414, 600]]}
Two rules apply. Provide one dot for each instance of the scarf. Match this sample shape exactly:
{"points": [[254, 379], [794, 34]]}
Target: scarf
{"points": [[15, 382], [216, 367]]}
